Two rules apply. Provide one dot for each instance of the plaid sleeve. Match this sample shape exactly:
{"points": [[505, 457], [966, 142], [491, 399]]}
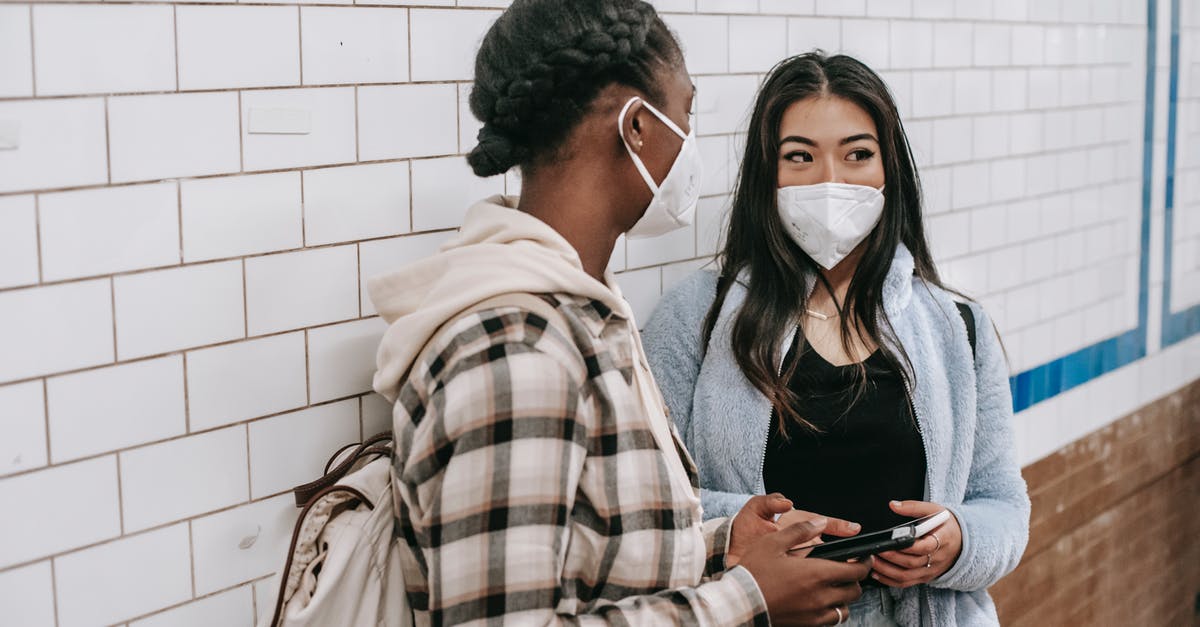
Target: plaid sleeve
{"points": [[496, 479], [716, 540]]}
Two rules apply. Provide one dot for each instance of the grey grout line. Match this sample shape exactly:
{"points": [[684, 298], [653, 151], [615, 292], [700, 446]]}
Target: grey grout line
{"points": [[300, 43], [245, 304], [187, 401], [112, 302], [307, 376], [241, 135], [249, 467], [46, 418], [32, 55], [107, 142], [120, 494], [192, 557], [175, 32], [54, 589], [37, 233]]}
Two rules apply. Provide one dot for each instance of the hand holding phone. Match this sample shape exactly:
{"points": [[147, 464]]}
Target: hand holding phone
{"points": [[929, 558], [897, 538]]}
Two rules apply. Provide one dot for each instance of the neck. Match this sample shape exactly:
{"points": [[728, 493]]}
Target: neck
{"points": [[581, 211], [839, 276]]}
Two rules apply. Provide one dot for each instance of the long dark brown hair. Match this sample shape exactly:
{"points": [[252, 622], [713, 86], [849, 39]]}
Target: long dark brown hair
{"points": [[779, 271]]}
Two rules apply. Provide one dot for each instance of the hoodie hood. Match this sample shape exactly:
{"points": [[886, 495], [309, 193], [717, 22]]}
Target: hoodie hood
{"points": [[499, 250]]}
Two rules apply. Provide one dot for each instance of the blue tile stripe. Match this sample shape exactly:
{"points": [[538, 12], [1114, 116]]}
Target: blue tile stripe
{"points": [[1180, 325], [1051, 379]]}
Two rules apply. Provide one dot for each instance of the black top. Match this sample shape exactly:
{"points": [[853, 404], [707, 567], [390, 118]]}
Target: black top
{"points": [[868, 452]]}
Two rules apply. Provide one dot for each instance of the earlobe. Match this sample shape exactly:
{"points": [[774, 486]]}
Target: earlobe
{"points": [[631, 125]]}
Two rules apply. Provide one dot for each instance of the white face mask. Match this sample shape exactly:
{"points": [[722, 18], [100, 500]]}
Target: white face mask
{"points": [[674, 203], [828, 220]]}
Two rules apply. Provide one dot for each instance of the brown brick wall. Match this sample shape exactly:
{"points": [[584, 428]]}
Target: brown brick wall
{"points": [[1115, 531]]}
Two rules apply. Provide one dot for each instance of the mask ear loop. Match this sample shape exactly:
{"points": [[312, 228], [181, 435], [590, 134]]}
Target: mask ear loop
{"points": [[637, 161]]}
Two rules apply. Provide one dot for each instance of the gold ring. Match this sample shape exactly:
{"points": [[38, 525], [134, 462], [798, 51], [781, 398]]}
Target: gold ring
{"points": [[840, 617], [938, 540]]}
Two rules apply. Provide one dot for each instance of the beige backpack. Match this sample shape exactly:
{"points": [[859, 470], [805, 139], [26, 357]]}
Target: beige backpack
{"points": [[343, 564]]}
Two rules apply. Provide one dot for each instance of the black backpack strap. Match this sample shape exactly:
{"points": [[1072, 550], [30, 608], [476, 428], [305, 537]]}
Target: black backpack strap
{"points": [[968, 317]]}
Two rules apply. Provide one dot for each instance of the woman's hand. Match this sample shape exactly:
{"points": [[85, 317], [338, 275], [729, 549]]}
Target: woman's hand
{"points": [[769, 513], [925, 560]]}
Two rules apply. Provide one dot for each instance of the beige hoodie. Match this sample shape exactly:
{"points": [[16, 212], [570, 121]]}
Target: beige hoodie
{"points": [[499, 250]]}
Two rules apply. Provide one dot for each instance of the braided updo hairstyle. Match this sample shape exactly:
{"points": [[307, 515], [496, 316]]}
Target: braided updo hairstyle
{"points": [[542, 64]]}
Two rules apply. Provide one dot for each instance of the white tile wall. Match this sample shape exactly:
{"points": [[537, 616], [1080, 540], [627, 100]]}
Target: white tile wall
{"points": [[239, 381], [108, 230], [183, 477], [141, 573], [354, 45], [397, 121], [62, 143], [234, 608], [294, 290], [240, 215], [76, 506], [16, 52], [155, 137], [27, 594], [308, 434], [167, 310], [18, 241], [237, 46], [23, 420], [356, 202], [1026, 120], [103, 49], [116, 407], [331, 136], [55, 328]]}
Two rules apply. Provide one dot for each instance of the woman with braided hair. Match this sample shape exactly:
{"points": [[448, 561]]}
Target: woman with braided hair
{"points": [[537, 477]]}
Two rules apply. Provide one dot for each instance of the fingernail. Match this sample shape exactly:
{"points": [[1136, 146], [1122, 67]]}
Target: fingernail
{"points": [[855, 527], [875, 576], [897, 504]]}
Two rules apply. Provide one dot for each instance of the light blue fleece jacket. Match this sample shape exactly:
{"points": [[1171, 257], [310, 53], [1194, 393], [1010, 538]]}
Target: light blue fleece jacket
{"points": [[963, 407]]}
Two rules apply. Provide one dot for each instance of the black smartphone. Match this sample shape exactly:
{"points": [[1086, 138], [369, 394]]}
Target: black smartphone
{"points": [[858, 547]]}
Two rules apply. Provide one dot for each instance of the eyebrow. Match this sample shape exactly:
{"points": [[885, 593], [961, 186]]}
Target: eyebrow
{"points": [[799, 139]]}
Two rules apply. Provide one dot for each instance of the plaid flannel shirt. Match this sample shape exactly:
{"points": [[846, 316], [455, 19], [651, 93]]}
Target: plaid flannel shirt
{"points": [[530, 488]]}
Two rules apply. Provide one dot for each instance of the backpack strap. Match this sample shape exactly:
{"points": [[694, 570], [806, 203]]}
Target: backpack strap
{"points": [[968, 317]]}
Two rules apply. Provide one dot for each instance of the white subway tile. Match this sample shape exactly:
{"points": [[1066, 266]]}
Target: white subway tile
{"points": [[443, 189], [677, 245], [989, 228], [184, 477], [245, 380], [27, 595], [890, 8], [868, 41], [385, 256], [55, 328], [300, 289], [331, 134], [140, 574], [785, 7], [291, 449], [724, 103], [990, 137], [1009, 90], [355, 202], [951, 44], [1043, 88], [18, 240], [81, 49], [16, 52], [23, 421], [244, 543], [443, 42], [116, 407], [1006, 268], [354, 45], [973, 9], [951, 140], [912, 44], [341, 358], [938, 184], [950, 234], [468, 126], [756, 44], [972, 91], [921, 140], [899, 82], [76, 505], [234, 608], [841, 7], [173, 135], [237, 46], [376, 415], [166, 310], [662, 6], [1011, 11], [102, 231], [933, 8], [810, 33], [1074, 86], [711, 222], [1008, 179], [398, 121], [705, 40], [62, 144], [933, 94], [970, 185], [241, 215], [642, 289], [993, 44], [722, 6], [1027, 43]]}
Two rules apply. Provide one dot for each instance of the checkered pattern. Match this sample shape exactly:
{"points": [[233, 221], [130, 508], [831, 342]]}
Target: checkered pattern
{"points": [[530, 486]]}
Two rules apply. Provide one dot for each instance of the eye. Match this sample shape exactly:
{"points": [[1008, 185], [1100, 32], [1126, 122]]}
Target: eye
{"points": [[862, 154], [798, 156]]}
